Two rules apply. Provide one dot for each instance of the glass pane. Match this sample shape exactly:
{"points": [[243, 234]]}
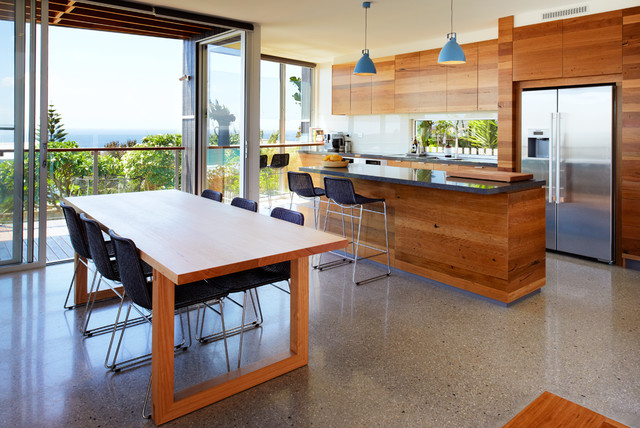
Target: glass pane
{"points": [[7, 124], [269, 120], [225, 115]]}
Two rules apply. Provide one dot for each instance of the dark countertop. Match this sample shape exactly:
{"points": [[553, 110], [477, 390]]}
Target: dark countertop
{"points": [[467, 160], [423, 178]]}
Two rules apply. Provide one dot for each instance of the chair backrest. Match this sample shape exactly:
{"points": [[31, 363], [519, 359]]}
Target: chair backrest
{"points": [[301, 184], [264, 160], [212, 194], [288, 215], [279, 160], [76, 231], [130, 268], [246, 204], [340, 190], [98, 248]]}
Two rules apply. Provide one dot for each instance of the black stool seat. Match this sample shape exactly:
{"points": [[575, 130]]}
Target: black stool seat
{"points": [[340, 192]]}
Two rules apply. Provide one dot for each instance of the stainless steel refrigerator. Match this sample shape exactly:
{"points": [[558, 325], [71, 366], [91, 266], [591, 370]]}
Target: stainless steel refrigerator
{"points": [[567, 140]]}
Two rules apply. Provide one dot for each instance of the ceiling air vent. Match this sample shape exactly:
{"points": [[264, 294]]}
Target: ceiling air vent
{"points": [[565, 13]]}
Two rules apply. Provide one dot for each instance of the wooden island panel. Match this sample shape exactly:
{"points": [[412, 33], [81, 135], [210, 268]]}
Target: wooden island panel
{"points": [[491, 245]]}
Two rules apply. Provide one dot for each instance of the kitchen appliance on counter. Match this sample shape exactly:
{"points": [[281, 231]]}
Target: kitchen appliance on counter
{"points": [[567, 140], [334, 142]]}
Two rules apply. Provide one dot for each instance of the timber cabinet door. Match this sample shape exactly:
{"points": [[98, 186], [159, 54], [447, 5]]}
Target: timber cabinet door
{"points": [[341, 89], [592, 45], [433, 82], [360, 93], [462, 81], [383, 86], [488, 75], [537, 51], [407, 96]]}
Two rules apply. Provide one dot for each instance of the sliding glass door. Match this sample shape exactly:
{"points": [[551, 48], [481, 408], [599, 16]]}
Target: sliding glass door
{"points": [[23, 88], [223, 111]]}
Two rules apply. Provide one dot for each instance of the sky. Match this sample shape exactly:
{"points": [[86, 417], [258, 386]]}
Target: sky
{"points": [[101, 80]]}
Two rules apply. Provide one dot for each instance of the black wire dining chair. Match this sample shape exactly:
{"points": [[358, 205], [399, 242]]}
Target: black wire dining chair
{"points": [[212, 194], [245, 204], [139, 289]]}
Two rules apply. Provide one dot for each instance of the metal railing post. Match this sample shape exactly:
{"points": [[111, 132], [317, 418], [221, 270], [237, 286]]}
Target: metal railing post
{"points": [[95, 172], [176, 172]]}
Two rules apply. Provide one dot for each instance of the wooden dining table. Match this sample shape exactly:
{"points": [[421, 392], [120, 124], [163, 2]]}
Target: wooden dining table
{"points": [[186, 238]]}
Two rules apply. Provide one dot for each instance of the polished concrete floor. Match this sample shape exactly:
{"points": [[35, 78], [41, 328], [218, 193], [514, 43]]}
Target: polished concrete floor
{"points": [[402, 351]]}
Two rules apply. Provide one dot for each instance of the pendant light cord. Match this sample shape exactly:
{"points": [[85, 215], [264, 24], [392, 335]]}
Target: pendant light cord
{"points": [[451, 16], [365, 28]]}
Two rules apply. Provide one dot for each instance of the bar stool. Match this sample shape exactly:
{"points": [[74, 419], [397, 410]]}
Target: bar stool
{"points": [[340, 192], [278, 162], [301, 184]]}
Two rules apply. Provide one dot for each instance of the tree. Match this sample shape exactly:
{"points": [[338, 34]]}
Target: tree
{"points": [[65, 168], [483, 133], [152, 169], [55, 128]]}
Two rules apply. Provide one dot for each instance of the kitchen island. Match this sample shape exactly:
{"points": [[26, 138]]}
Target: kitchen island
{"points": [[486, 237]]}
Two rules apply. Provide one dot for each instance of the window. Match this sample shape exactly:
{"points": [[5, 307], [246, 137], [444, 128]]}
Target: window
{"points": [[475, 137]]}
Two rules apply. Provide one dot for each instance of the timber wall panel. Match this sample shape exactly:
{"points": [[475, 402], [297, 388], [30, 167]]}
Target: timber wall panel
{"points": [[592, 44], [631, 131], [506, 111], [537, 51]]}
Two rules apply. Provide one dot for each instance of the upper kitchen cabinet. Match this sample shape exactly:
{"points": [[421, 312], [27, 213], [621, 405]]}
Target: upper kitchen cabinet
{"points": [[341, 88], [407, 95], [360, 93], [433, 82], [462, 81], [488, 75], [592, 45], [537, 51], [383, 86]]}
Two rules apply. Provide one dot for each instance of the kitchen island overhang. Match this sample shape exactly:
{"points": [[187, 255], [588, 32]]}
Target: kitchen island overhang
{"points": [[485, 237]]}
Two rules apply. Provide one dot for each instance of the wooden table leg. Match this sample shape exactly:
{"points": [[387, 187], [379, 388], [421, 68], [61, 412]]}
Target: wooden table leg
{"points": [[166, 406], [80, 291], [162, 347], [299, 325]]}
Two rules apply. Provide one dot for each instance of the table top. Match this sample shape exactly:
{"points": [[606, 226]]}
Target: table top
{"points": [[188, 238], [424, 178]]}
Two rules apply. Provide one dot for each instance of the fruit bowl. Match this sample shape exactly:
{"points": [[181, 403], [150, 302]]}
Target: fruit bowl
{"points": [[335, 164]]}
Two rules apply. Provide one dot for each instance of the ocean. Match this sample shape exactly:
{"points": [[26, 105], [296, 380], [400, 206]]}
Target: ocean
{"points": [[102, 137]]}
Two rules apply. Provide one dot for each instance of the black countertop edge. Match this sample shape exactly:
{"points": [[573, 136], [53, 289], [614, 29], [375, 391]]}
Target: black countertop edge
{"points": [[474, 160], [424, 178]]}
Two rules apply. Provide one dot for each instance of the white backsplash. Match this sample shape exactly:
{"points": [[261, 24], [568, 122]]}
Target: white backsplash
{"points": [[384, 134]]}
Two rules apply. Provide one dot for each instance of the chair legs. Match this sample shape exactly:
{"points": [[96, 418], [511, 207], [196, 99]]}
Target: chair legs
{"points": [[353, 257]]}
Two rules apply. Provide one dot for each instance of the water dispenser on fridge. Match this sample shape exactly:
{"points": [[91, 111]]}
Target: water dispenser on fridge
{"points": [[538, 143]]}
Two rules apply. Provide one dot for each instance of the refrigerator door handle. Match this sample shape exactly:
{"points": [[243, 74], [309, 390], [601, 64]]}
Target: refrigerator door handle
{"points": [[552, 138], [559, 143]]}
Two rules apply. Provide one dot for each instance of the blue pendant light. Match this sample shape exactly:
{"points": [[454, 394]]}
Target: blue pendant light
{"points": [[365, 66], [451, 52]]}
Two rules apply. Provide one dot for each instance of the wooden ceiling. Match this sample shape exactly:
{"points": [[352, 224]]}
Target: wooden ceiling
{"points": [[126, 17]]}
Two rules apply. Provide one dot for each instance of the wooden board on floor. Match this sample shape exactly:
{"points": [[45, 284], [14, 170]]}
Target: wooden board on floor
{"points": [[550, 411]]}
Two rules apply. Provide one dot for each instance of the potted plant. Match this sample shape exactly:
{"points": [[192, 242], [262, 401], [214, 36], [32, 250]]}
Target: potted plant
{"points": [[223, 117]]}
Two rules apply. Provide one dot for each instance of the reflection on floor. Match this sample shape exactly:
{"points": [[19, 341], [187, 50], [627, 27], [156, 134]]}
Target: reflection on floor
{"points": [[397, 352]]}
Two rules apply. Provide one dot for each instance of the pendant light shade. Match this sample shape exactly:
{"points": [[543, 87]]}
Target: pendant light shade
{"points": [[365, 66], [451, 53]]}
